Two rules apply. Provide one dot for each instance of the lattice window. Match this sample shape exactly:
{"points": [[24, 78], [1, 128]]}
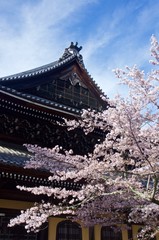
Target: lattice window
{"points": [[67, 230], [62, 91], [108, 233]]}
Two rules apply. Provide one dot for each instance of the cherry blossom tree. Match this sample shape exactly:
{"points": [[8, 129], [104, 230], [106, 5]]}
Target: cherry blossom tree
{"points": [[118, 181]]}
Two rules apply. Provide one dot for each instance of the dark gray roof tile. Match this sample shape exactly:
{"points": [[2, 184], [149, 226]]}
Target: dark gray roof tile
{"points": [[13, 156]]}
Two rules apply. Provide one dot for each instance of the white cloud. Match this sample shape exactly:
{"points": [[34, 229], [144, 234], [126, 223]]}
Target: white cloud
{"points": [[33, 33], [122, 42], [41, 34]]}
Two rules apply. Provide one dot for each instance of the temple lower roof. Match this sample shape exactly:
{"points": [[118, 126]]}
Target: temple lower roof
{"points": [[12, 154]]}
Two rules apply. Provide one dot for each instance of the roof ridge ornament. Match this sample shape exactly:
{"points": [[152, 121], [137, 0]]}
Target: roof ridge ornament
{"points": [[73, 49]]}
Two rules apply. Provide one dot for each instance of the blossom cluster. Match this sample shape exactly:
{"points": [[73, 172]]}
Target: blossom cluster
{"points": [[120, 178]]}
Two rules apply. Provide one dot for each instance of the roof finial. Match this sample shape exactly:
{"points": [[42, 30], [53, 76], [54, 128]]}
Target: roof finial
{"points": [[73, 50], [75, 47]]}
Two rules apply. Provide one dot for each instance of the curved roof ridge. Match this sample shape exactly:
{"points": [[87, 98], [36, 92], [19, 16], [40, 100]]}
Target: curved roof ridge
{"points": [[71, 52], [27, 72], [37, 70]]}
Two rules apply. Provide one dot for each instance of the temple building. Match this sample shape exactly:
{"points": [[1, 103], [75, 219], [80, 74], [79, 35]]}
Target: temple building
{"points": [[32, 104]]}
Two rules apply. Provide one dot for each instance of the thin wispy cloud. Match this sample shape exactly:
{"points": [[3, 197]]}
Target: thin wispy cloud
{"points": [[127, 42], [113, 34], [42, 33]]}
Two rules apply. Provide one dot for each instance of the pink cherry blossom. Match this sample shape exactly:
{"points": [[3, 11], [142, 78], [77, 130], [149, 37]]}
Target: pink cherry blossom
{"points": [[118, 181]]}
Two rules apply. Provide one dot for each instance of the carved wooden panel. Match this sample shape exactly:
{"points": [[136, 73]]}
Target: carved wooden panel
{"points": [[69, 90], [46, 134]]}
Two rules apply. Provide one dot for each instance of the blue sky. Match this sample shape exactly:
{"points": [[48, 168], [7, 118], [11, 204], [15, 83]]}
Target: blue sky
{"points": [[113, 33]]}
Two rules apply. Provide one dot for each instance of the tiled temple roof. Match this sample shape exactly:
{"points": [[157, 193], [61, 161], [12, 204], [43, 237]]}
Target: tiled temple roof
{"points": [[27, 104], [16, 156], [71, 53], [12, 85], [13, 154], [37, 71], [39, 101]]}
